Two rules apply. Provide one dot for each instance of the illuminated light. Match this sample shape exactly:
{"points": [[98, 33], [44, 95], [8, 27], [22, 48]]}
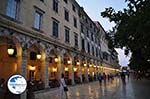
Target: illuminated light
{"points": [[85, 64], [95, 66], [38, 56], [90, 65], [66, 68], [56, 59], [32, 68], [54, 69], [78, 63], [10, 51], [108, 68], [83, 69], [69, 61], [75, 69]]}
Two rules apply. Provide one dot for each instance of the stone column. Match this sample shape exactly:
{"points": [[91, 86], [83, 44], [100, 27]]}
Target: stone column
{"points": [[72, 74], [46, 80], [59, 70], [86, 74], [24, 71], [80, 73]]}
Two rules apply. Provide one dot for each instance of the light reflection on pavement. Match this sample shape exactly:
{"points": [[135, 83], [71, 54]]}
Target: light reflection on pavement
{"points": [[111, 90]]}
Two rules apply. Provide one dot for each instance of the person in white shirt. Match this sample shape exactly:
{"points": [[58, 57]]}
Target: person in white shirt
{"points": [[62, 85]]}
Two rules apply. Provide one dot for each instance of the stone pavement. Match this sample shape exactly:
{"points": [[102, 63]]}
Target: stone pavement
{"points": [[133, 89]]}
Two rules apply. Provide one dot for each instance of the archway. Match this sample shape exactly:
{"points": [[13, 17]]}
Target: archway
{"points": [[67, 63], [10, 57], [53, 69], [36, 66], [76, 69]]}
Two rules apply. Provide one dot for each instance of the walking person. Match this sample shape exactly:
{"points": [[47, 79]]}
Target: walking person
{"points": [[2, 88], [123, 77], [104, 78], [100, 79], [63, 87]]}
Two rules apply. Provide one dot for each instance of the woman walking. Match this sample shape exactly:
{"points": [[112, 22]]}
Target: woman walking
{"points": [[63, 87]]}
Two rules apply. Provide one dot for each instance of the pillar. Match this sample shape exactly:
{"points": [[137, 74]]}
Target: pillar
{"points": [[46, 78], [24, 70]]}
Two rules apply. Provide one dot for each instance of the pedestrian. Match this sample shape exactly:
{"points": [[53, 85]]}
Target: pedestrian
{"points": [[100, 79], [2, 88], [104, 78], [63, 87], [123, 77]]}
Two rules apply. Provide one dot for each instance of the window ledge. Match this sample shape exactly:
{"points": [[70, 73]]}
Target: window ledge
{"points": [[38, 30], [11, 19]]}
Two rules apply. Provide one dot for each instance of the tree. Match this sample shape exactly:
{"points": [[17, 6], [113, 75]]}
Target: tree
{"points": [[132, 31]]}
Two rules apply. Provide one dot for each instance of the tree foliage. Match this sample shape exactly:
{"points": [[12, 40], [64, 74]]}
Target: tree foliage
{"points": [[132, 31]]}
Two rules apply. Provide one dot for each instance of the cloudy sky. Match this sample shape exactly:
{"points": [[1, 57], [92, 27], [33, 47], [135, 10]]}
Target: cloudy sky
{"points": [[95, 7]]}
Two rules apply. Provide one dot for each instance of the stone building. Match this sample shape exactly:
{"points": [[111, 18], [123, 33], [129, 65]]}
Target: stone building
{"points": [[40, 39]]}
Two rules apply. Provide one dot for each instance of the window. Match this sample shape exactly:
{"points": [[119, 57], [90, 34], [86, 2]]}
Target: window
{"points": [[66, 1], [105, 55], [87, 31], [93, 50], [88, 45], [12, 8], [42, 0], [75, 22], [81, 28], [38, 20], [73, 8], [83, 45], [55, 5], [55, 28], [86, 20], [92, 37], [96, 52], [76, 39], [67, 39], [66, 13]]}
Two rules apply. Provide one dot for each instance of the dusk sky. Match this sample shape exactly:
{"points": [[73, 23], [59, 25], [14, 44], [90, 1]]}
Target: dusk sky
{"points": [[95, 7]]}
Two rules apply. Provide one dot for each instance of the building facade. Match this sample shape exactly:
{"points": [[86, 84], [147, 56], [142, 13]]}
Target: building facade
{"points": [[40, 39]]}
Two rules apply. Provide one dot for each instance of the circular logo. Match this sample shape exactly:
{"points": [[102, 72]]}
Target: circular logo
{"points": [[17, 84]]}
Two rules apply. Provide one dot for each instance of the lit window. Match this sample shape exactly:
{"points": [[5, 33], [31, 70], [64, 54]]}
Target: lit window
{"points": [[37, 20], [12, 8]]}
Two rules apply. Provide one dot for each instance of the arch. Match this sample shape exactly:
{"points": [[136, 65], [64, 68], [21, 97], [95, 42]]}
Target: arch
{"points": [[10, 63], [36, 64]]}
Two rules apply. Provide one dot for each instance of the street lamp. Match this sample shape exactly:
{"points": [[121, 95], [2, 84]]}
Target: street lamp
{"points": [[56, 59], [66, 68], [75, 69], [38, 56], [10, 50], [69, 61], [84, 64], [90, 65], [78, 63], [54, 69]]}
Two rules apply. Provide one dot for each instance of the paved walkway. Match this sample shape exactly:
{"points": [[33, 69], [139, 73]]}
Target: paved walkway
{"points": [[111, 90], [133, 89]]}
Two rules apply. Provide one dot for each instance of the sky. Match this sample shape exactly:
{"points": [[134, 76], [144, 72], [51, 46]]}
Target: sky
{"points": [[95, 7]]}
